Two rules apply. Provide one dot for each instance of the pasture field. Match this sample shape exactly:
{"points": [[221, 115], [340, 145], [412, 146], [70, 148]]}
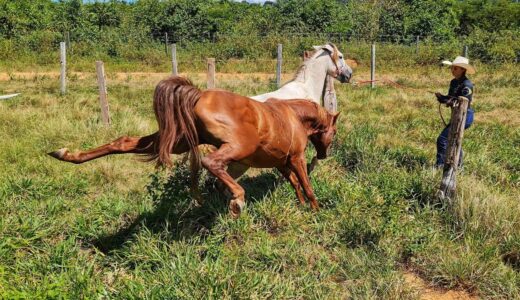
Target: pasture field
{"points": [[118, 228]]}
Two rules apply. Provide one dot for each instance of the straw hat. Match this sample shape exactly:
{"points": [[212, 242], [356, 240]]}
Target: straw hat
{"points": [[461, 61]]}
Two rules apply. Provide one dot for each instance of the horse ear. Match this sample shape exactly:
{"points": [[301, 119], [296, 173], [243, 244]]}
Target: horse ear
{"points": [[306, 55], [328, 47]]}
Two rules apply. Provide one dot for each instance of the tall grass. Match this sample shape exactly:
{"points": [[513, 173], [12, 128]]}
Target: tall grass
{"points": [[118, 228]]}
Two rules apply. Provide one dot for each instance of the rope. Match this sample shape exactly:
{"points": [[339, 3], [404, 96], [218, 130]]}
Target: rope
{"points": [[442, 117], [400, 86]]}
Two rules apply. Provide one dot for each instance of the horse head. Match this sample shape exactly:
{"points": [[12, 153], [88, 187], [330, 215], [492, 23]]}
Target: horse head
{"points": [[337, 67], [324, 134]]}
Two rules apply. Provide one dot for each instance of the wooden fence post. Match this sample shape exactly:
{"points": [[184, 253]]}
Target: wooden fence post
{"points": [[458, 120], [103, 101], [465, 51], [166, 43], [211, 73], [279, 66], [67, 39], [373, 65], [63, 69], [174, 59], [330, 101]]}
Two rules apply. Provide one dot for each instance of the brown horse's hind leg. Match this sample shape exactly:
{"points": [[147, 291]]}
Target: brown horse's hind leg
{"points": [[299, 166], [293, 179], [216, 163], [121, 145], [235, 170]]}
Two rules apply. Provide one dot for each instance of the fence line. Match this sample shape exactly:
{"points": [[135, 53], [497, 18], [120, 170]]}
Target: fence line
{"points": [[211, 74], [168, 37]]}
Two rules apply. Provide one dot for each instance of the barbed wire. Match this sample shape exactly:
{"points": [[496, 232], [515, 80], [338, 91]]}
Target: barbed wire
{"points": [[209, 37]]}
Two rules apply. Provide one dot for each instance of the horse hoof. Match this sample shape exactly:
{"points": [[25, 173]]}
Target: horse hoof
{"points": [[59, 154], [235, 208]]}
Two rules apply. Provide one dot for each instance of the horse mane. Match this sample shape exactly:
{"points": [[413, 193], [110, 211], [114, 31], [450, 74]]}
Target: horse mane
{"points": [[311, 54], [310, 111]]}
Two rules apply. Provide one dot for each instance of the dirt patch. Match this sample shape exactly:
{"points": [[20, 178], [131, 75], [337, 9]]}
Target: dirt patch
{"points": [[427, 292]]}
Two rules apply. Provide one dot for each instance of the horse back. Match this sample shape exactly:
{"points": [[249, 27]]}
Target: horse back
{"points": [[226, 117]]}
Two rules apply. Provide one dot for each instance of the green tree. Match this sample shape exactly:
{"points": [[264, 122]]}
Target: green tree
{"points": [[18, 18], [103, 14]]}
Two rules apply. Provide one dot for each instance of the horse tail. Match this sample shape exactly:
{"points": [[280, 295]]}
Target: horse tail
{"points": [[174, 102]]}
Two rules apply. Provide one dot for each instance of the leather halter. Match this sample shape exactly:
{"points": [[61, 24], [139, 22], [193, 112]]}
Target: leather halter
{"points": [[335, 64]]}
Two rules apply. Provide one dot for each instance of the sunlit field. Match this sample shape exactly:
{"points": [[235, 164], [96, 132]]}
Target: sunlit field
{"points": [[117, 227]]}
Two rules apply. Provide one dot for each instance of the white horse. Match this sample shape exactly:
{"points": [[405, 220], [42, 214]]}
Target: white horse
{"points": [[308, 83]]}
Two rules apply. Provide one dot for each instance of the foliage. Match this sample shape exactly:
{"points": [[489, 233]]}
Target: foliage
{"points": [[39, 25]]}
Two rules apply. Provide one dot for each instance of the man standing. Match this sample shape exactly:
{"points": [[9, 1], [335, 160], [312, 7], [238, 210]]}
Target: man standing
{"points": [[460, 86]]}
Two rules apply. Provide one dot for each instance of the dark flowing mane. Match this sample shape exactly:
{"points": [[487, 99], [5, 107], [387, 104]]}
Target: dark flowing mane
{"points": [[310, 111]]}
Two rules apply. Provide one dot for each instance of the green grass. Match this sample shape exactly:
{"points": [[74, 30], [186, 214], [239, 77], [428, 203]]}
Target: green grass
{"points": [[118, 228]]}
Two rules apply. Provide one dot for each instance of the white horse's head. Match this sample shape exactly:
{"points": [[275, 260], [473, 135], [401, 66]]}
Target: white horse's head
{"points": [[337, 67]]}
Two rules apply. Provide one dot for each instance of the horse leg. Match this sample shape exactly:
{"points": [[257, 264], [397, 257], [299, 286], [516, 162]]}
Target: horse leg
{"points": [[312, 165], [216, 163], [235, 170], [293, 179], [299, 166], [123, 144]]}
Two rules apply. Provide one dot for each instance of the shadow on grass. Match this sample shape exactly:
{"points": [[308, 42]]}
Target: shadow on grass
{"points": [[176, 215]]}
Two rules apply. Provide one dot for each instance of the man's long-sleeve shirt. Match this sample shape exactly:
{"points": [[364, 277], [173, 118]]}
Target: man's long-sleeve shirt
{"points": [[459, 87]]}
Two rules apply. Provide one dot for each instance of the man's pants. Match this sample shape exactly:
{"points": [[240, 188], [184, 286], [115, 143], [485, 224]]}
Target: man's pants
{"points": [[442, 141]]}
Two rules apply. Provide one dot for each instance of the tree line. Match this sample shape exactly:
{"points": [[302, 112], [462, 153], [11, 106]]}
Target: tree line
{"points": [[490, 27]]}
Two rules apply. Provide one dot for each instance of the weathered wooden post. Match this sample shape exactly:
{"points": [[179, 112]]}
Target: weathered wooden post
{"points": [[103, 100], [211, 73], [373, 66], [63, 69], [451, 162], [166, 43], [279, 66], [67, 39], [465, 51], [174, 59], [330, 101]]}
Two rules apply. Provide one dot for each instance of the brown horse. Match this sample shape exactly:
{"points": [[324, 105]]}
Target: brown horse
{"points": [[261, 135]]}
